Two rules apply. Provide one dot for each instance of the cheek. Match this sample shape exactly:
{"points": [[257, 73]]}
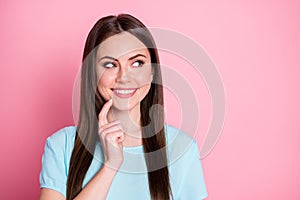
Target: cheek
{"points": [[143, 76], [145, 89], [106, 80]]}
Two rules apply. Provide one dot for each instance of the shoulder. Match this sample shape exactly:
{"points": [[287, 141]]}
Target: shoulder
{"points": [[58, 148], [62, 139], [62, 134], [180, 145], [174, 134], [55, 159], [184, 163]]}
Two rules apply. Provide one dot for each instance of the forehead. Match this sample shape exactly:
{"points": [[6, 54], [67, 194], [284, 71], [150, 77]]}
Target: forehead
{"points": [[121, 44]]}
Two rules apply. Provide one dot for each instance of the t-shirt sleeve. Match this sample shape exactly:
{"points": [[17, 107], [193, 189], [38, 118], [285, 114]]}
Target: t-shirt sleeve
{"points": [[193, 185], [53, 174]]}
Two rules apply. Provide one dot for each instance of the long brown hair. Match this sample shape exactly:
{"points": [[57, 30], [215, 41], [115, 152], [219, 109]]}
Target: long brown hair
{"points": [[91, 103]]}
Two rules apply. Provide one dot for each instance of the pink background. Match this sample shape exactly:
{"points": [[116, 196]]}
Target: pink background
{"points": [[254, 44]]}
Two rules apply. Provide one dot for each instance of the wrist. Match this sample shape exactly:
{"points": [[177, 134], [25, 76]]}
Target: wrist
{"points": [[109, 168], [113, 164]]}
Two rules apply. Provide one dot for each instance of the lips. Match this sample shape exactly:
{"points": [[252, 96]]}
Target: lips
{"points": [[124, 92]]}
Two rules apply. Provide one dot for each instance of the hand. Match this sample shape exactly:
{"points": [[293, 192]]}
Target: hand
{"points": [[111, 138]]}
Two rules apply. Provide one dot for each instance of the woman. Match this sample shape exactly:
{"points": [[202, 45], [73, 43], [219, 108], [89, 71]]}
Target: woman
{"points": [[120, 90]]}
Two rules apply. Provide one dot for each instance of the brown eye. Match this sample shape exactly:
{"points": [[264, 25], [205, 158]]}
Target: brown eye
{"points": [[108, 65], [138, 63]]}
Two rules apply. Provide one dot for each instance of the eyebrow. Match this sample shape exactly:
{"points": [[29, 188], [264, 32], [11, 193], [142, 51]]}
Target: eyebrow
{"points": [[112, 58]]}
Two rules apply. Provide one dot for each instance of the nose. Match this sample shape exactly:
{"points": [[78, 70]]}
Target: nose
{"points": [[123, 74]]}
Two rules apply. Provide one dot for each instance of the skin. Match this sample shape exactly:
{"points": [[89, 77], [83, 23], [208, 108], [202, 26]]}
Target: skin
{"points": [[119, 119], [120, 71]]}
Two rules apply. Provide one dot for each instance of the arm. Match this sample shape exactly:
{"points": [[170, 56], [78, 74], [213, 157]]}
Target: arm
{"points": [[111, 137], [48, 194], [97, 188]]}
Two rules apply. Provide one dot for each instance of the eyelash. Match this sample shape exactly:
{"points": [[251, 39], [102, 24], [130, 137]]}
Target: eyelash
{"points": [[107, 63], [140, 62]]}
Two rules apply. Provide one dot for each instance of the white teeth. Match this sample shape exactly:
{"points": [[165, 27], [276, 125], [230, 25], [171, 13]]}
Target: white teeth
{"points": [[124, 91]]}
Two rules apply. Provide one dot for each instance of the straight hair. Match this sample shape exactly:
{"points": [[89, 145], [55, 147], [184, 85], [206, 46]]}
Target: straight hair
{"points": [[91, 103]]}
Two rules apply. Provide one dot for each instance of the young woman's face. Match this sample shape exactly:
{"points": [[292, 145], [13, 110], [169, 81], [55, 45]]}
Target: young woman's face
{"points": [[124, 70]]}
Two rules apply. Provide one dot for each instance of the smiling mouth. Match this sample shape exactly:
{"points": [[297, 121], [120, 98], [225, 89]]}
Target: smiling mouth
{"points": [[124, 92]]}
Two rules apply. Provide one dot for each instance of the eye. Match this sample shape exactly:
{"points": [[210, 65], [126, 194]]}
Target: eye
{"points": [[108, 65], [137, 63]]}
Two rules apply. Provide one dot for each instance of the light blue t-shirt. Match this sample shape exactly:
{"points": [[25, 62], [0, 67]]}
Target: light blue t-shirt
{"points": [[131, 181]]}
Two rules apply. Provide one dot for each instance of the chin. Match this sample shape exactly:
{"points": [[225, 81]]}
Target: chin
{"points": [[123, 106]]}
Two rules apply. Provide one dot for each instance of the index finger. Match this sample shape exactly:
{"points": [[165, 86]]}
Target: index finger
{"points": [[102, 117]]}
